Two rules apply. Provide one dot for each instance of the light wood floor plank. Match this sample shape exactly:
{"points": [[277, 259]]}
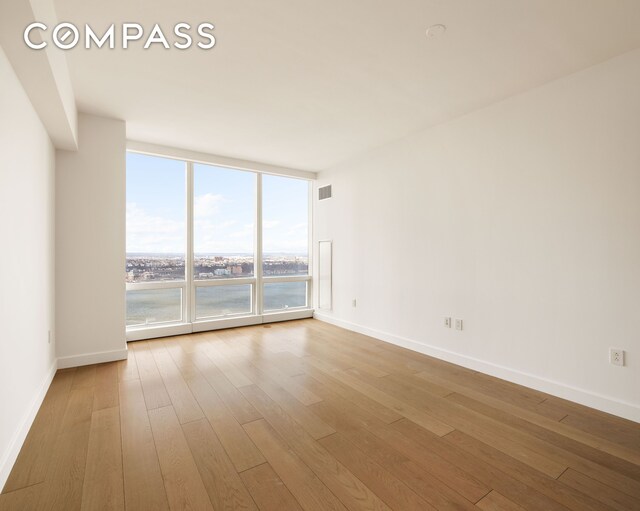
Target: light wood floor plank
{"points": [[439, 482], [286, 362], [23, 499], [599, 491], [62, 490], [550, 410], [103, 481], [217, 353], [85, 376], [569, 449], [598, 463], [240, 448], [268, 490], [185, 489], [301, 414], [307, 488], [241, 409], [324, 382], [184, 404], [417, 386], [410, 412], [194, 342], [550, 487], [224, 486], [303, 395], [564, 429], [128, 369], [606, 421], [496, 502], [386, 486], [347, 487], [617, 431], [155, 393], [485, 472], [106, 391], [143, 485], [348, 359], [527, 449]]}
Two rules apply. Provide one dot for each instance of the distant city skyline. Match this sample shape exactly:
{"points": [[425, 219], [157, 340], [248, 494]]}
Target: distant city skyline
{"points": [[213, 254], [224, 209], [161, 267]]}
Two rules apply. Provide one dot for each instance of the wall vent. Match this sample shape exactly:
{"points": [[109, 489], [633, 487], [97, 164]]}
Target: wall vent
{"points": [[324, 192]]}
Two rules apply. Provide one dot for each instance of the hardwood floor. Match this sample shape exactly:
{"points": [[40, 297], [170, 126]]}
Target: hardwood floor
{"points": [[306, 416]]}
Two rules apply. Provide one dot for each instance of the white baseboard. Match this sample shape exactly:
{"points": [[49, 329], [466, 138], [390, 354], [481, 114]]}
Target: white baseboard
{"points": [[584, 397], [11, 454], [92, 358]]}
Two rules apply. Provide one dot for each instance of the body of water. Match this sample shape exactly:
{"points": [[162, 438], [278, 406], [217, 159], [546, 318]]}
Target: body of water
{"points": [[152, 306]]}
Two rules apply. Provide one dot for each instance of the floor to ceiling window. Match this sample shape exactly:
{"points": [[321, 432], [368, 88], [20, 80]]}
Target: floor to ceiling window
{"points": [[156, 240], [285, 242], [210, 246]]}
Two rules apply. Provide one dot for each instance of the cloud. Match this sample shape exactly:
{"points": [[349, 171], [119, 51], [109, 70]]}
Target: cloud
{"points": [[152, 233], [207, 205], [270, 224], [246, 231], [213, 233], [225, 236]]}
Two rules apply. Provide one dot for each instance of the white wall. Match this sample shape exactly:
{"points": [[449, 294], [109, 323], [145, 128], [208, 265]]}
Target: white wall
{"points": [[90, 244], [44, 75], [523, 219], [27, 360]]}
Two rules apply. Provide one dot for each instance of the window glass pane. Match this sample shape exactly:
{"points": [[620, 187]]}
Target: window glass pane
{"points": [[224, 210], [214, 301], [285, 229], [149, 306], [284, 295], [156, 218]]}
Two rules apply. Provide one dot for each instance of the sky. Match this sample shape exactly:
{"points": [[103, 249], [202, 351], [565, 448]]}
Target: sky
{"points": [[224, 209]]}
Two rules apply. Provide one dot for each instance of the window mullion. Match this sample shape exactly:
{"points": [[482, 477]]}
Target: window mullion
{"points": [[190, 309], [310, 224], [257, 268]]}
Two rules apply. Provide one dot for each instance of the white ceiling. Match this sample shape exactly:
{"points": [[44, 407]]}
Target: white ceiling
{"points": [[309, 83]]}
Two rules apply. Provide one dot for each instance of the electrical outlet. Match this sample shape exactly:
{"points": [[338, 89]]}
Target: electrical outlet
{"points": [[458, 324], [616, 356], [447, 322], [353, 302]]}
